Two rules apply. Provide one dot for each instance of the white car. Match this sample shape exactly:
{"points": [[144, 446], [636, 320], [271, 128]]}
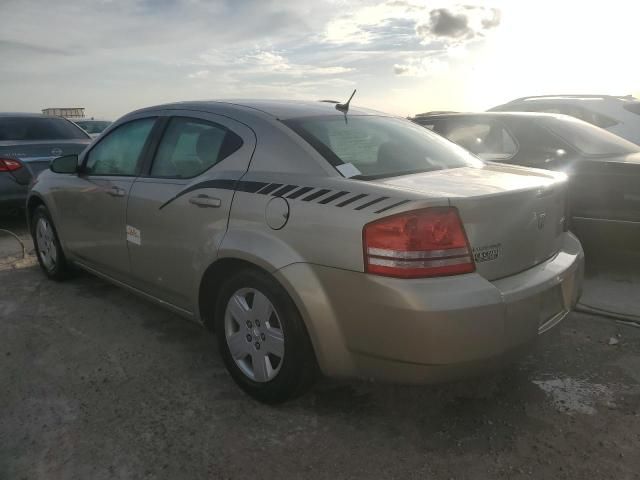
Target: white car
{"points": [[619, 115]]}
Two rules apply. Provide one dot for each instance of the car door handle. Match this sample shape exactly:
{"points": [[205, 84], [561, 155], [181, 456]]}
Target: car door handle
{"points": [[116, 191], [205, 201]]}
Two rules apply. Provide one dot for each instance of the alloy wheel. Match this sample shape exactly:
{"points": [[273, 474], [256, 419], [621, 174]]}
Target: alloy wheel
{"points": [[46, 242], [254, 334]]}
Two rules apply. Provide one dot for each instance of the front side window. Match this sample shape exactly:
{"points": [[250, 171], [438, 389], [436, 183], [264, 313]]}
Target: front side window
{"points": [[380, 146], [584, 114], [39, 128], [591, 141], [488, 140], [119, 152], [191, 146]]}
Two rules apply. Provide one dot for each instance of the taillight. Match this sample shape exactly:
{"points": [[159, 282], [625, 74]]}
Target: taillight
{"points": [[429, 242], [9, 165]]}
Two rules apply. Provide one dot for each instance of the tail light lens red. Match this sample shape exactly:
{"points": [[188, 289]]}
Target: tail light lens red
{"points": [[430, 242], [9, 165]]}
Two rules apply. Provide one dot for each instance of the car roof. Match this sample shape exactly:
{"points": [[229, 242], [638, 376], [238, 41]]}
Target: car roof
{"points": [[573, 97], [281, 109], [491, 114]]}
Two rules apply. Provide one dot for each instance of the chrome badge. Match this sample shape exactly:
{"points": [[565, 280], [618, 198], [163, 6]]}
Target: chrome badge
{"points": [[487, 253]]}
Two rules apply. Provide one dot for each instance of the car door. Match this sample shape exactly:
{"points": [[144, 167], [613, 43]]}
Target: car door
{"points": [[605, 203], [92, 206], [179, 208]]}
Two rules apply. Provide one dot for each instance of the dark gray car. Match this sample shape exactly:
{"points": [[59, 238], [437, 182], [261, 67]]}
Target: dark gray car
{"points": [[603, 168], [28, 142]]}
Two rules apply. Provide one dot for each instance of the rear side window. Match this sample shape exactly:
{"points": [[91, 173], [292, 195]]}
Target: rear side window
{"points": [[633, 107], [379, 146], [489, 140], [591, 141], [39, 128], [118, 153], [191, 146]]}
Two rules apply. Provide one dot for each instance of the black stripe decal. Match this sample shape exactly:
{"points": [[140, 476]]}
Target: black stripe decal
{"points": [[368, 204], [299, 192], [249, 187], [392, 206], [351, 200], [332, 198], [269, 188], [286, 189], [278, 189], [315, 195]]}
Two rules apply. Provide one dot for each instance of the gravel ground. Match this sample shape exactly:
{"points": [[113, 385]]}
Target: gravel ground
{"points": [[96, 383]]}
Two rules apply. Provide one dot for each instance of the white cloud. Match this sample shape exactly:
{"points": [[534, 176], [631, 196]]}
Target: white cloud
{"points": [[259, 61], [199, 74], [122, 54], [421, 67]]}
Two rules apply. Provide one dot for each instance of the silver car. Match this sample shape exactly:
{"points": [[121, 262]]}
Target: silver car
{"points": [[311, 239]]}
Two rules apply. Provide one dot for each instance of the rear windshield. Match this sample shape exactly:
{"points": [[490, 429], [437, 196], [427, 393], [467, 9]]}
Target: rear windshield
{"points": [[39, 128], [588, 139], [93, 126], [369, 147]]}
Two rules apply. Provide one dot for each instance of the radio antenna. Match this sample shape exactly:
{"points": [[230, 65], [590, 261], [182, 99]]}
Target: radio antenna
{"points": [[344, 107]]}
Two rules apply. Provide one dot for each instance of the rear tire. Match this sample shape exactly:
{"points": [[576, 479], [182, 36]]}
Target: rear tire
{"points": [[262, 338], [48, 249]]}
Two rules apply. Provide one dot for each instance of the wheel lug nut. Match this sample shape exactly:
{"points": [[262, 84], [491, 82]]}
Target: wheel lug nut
{"points": [[248, 338], [257, 344], [263, 337], [249, 325], [257, 323]]}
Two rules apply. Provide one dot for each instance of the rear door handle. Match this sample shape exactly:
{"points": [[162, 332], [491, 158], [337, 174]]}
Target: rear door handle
{"points": [[116, 191], [205, 201]]}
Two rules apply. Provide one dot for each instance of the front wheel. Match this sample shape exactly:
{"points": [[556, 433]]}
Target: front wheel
{"points": [[48, 249], [262, 338]]}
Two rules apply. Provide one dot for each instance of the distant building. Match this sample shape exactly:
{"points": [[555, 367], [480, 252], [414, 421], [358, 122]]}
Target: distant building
{"points": [[73, 112]]}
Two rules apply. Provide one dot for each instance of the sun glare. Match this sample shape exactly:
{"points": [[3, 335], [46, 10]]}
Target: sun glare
{"points": [[544, 49]]}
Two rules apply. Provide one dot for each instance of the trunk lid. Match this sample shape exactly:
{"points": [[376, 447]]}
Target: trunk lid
{"points": [[36, 155], [514, 217]]}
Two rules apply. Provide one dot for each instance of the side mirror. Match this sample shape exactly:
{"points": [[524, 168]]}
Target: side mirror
{"points": [[66, 164]]}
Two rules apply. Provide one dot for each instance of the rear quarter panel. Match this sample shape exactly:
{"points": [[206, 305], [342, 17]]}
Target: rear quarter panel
{"points": [[325, 219]]}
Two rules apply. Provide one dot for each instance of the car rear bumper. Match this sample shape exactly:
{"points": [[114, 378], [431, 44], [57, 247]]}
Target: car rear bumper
{"points": [[430, 330]]}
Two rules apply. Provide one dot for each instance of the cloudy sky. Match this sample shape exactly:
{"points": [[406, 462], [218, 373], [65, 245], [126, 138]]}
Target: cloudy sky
{"points": [[403, 56]]}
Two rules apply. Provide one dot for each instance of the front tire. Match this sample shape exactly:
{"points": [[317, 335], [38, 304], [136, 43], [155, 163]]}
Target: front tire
{"points": [[48, 249], [262, 338]]}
